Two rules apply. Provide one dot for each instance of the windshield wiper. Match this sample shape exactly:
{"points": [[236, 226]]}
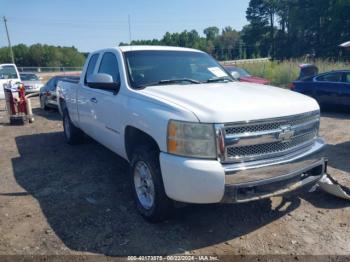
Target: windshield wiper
{"points": [[170, 81], [220, 79]]}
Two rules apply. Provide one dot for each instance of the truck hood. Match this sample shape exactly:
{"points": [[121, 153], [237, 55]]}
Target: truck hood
{"points": [[233, 102]]}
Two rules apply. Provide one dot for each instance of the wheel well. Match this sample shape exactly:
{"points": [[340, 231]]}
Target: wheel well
{"points": [[134, 137]]}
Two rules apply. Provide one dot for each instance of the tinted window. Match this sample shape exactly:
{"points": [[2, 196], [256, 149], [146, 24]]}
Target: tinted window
{"points": [[49, 84], [55, 82], [91, 66], [109, 65], [332, 77]]}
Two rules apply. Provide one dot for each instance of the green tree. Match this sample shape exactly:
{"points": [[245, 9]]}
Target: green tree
{"points": [[43, 55], [211, 33]]}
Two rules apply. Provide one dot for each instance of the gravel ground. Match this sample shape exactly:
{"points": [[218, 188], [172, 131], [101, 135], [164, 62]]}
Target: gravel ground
{"points": [[59, 199]]}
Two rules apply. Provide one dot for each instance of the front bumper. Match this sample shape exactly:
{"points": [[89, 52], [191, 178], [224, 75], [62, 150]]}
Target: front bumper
{"points": [[208, 181]]}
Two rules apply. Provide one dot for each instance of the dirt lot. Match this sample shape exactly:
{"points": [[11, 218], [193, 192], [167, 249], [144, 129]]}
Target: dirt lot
{"points": [[59, 199]]}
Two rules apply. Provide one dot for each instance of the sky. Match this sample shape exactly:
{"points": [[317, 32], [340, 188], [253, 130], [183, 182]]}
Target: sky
{"points": [[89, 24]]}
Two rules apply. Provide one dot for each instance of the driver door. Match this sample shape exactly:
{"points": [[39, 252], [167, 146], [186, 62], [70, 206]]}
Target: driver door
{"points": [[107, 104]]}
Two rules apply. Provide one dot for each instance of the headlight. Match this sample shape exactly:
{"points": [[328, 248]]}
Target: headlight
{"points": [[191, 139]]}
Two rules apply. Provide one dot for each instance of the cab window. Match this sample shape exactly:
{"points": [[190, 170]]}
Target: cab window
{"points": [[8, 72]]}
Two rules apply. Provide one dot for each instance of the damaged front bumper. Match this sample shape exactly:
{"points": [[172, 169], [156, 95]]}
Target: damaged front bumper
{"points": [[331, 186], [258, 180]]}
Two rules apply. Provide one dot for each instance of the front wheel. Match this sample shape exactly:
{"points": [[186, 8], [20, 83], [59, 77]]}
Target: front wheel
{"points": [[73, 134], [149, 193]]}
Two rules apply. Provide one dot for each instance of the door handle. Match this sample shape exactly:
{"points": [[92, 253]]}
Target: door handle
{"points": [[93, 100]]}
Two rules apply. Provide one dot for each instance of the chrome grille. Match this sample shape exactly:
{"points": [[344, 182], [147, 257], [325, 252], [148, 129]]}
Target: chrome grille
{"points": [[250, 127], [269, 138], [243, 151]]}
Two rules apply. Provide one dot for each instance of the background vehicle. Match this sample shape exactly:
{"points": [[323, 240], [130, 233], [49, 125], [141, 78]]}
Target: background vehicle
{"points": [[244, 76], [8, 73], [331, 88], [190, 133], [32, 82], [48, 95], [307, 71]]}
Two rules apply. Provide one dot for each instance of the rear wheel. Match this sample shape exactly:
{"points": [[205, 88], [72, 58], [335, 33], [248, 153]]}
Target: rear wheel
{"points": [[148, 187], [72, 134]]}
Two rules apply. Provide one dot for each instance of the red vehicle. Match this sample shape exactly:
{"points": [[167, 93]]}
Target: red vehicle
{"points": [[244, 76]]}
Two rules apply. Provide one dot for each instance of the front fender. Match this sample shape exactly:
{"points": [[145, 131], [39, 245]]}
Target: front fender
{"points": [[152, 116]]}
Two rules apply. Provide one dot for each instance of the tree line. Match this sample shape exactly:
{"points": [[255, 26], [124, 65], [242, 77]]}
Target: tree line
{"points": [[280, 29], [43, 56]]}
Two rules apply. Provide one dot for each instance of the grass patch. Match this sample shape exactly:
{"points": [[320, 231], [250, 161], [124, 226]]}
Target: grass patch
{"points": [[283, 73]]}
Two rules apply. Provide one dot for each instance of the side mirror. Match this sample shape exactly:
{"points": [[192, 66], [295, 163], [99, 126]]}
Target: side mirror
{"points": [[103, 81], [236, 75]]}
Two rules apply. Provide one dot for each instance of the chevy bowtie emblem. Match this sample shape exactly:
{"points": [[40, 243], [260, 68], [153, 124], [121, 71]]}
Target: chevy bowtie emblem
{"points": [[286, 134]]}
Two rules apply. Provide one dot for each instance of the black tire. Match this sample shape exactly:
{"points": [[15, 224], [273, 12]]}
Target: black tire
{"points": [[72, 134], [162, 207], [43, 103]]}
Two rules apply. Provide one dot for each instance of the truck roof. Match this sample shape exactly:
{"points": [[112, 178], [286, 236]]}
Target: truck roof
{"points": [[155, 48], [8, 65]]}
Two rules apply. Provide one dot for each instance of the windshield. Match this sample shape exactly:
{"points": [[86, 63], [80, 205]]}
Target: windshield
{"points": [[240, 71], [8, 72], [29, 77], [147, 68]]}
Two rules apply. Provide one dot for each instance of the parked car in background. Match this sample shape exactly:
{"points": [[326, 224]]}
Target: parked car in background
{"points": [[31, 82], [48, 96], [331, 88], [244, 76], [8, 74], [307, 71]]}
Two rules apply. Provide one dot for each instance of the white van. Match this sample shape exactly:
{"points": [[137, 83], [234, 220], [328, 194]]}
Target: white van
{"points": [[8, 74]]}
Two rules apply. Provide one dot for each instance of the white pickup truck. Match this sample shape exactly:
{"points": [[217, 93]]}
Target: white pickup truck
{"points": [[8, 76], [189, 131]]}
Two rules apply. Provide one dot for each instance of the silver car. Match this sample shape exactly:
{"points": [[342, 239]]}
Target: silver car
{"points": [[31, 81]]}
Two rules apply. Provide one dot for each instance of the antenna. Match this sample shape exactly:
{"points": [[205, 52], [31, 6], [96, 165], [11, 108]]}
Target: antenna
{"points": [[130, 37], [8, 39]]}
